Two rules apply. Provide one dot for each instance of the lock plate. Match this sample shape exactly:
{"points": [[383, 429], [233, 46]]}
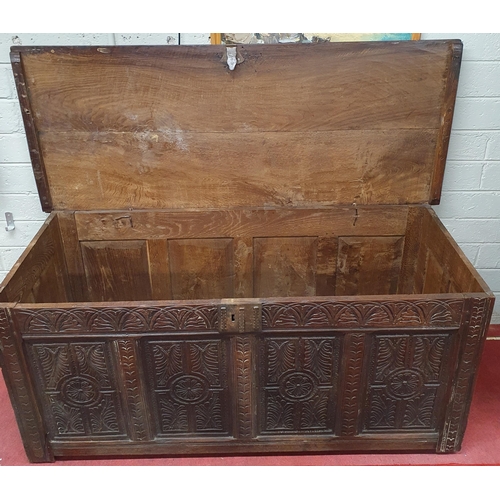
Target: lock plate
{"points": [[240, 316]]}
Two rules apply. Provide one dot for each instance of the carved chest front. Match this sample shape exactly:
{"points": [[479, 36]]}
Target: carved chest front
{"points": [[240, 260]]}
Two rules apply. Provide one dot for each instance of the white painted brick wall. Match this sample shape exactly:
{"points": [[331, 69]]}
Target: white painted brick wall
{"points": [[470, 205]]}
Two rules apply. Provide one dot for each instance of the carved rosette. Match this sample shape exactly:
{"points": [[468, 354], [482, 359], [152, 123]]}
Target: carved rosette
{"points": [[79, 387], [298, 384], [405, 377], [190, 386]]}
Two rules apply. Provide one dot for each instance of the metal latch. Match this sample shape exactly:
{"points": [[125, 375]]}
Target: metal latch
{"points": [[240, 316], [232, 60], [9, 218]]}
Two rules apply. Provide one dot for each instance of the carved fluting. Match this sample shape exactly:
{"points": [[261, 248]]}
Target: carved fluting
{"points": [[298, 378], [244, 385], [22, 401], [79, 387], [190, 385], [361, 314], [352, 391], [128, 361], [405, 376], [454, 424], [139, 319]]}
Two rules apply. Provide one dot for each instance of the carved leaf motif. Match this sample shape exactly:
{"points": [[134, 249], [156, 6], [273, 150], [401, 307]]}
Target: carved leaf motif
{"points": [[319, 358], [92, 361], [428, 355], [314, 413], [281, 357], [209, 414], [168, 361], [173, 416], [362, 314], [390, 355], [382, 411], [54, 362], [205, 360], [68, 420], [103, 418], [419, 411], [352, 381], [279, 414], [243, 367]]}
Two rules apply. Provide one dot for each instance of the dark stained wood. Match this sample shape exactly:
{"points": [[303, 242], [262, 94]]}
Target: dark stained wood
{"points": [[368, 265], [201, 268], [116, 270], [21, 391], [285, 267]]}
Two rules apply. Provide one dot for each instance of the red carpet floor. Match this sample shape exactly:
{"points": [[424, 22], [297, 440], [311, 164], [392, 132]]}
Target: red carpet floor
{"points": [[481, 443]]}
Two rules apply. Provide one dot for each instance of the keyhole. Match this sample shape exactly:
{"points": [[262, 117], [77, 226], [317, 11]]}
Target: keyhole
{"points": [[233, 317]]}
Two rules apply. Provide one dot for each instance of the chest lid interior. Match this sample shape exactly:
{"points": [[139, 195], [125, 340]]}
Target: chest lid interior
{"points": [[291, 125]]}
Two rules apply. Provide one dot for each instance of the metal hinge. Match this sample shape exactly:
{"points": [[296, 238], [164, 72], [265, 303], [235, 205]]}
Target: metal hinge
{"points": [[240, 316]]}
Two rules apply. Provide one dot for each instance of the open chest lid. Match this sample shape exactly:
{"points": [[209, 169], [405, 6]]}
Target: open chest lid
{"points": [[291, 125]]}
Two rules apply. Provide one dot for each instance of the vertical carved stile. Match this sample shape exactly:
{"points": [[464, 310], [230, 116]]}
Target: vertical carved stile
{"points": [[135, 400], [21, 393], [457, 411], [354, 350], [243, 365]]}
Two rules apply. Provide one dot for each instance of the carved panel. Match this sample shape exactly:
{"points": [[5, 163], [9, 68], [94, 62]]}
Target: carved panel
{"points": [[405, 376], [189, 386], [138, 319], [79, 386], [286, 315], [298, 384]]}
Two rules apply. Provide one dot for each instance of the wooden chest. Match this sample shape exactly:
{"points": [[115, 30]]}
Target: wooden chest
{"points": [[240, 260]]}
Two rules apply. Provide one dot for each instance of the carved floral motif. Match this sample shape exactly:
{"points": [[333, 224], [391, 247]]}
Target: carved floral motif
{"points": [[404, 381], [79, 387], [298, 381], [190, 385]]}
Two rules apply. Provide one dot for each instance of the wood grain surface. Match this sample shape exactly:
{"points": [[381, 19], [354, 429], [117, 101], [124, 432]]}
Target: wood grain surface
{"points": [[293, 125]]}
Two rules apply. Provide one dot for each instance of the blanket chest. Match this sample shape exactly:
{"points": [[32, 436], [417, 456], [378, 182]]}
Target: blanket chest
{"points": [[241, 254]]}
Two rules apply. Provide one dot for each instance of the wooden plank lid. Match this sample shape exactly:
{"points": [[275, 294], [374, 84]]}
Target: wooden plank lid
{"points": [[291, 125]]}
